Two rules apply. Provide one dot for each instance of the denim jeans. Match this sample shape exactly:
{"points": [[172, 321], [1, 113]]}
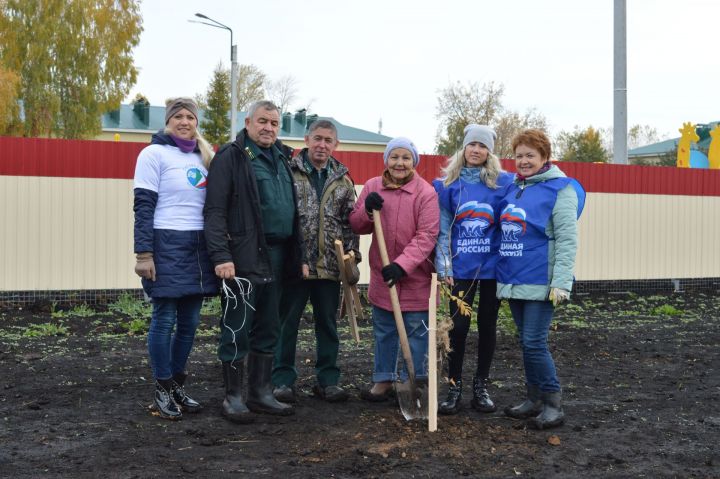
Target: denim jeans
{"points": [[387, 344], [533, 319], [169, 352]]}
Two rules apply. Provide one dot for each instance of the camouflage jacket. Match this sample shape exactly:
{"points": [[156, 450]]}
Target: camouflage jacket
{"points": [[324, 221]]}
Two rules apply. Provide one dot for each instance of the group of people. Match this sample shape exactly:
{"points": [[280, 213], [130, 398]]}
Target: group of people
{"points": [[257, 225]]}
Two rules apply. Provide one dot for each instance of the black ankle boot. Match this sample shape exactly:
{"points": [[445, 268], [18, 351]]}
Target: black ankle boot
{"points": [[233, 406], [453, 401], [481, 399], [530, 407], [552, 414], [186, 403], [164, 402], [260, 390]]}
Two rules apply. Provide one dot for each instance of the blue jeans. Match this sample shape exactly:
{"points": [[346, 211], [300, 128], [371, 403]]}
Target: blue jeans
{"points": [[387, 344], [168, 352], [533, 319]]}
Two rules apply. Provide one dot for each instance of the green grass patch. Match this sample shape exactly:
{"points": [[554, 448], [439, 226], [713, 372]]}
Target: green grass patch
{"points": [[131, 307], [211, 307], [45, 329], [136, 326], [505, 322], [665, 310]]}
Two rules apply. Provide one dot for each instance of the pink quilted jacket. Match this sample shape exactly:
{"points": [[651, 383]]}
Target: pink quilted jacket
{"points": [[411, 219]]}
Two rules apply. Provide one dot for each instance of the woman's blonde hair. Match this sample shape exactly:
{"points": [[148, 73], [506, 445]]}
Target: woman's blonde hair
{"points": [[489, 171], [206, 150]]}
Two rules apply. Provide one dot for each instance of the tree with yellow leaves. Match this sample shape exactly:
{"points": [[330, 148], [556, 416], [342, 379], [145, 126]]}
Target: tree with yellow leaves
{"points": [[74, 60]]}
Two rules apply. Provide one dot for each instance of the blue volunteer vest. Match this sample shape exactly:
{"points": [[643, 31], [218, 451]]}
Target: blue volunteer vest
{"points": [[524, 214], [474, 236]]}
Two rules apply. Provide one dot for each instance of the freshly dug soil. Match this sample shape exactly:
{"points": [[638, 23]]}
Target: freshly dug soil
{"points": [[639, 373]]}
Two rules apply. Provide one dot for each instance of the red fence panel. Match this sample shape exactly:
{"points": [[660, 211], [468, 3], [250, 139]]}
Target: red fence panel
{"points": [[68, 158], [105, 159]]}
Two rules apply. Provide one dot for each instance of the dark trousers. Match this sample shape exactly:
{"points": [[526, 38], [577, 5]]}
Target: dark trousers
{"points": [[243, 330], [324, 295], [487, 313]]}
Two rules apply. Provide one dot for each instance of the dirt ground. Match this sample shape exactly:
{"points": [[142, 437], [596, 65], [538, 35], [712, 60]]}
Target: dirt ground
{"points": [[640, 378]]}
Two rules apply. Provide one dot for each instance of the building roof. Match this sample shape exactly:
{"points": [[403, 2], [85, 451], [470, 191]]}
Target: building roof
{"points": [[146, 118], [654, 149], [666, 146]]}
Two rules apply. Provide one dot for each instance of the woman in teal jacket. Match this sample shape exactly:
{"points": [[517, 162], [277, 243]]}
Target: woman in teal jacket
{"points": [[538, 223]]}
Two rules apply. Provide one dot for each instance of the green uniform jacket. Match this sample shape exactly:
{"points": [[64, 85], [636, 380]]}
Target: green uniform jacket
{"points": [[324, 221], [562, 245]]}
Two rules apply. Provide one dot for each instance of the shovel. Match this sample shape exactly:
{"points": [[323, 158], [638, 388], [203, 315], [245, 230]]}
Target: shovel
{"points": [[412, 396]]}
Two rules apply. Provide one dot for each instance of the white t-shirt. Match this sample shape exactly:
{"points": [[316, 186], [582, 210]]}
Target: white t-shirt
{"points": [[179, 179]]}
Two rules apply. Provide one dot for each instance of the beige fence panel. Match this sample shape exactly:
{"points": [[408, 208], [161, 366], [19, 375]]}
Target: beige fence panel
{"points": [[66, 234], [624, 236], [75, 233]]}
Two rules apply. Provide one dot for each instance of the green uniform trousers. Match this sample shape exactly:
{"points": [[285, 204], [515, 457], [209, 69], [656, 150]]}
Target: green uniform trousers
{"points": [[243, 330], [324, 296]]}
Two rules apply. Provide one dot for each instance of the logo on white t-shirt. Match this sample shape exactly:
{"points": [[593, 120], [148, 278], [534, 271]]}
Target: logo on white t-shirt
{"points": [[196, 177]]}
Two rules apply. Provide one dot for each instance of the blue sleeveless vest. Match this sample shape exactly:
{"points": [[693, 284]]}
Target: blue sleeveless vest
{"points": [[474, 238], [524, 214]]}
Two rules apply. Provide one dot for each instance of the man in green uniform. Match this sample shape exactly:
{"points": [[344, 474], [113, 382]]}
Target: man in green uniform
{"points": [[251, 230]]}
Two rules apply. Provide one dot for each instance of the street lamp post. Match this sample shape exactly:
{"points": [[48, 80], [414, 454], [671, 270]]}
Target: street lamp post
{"points": [[233, 72]]}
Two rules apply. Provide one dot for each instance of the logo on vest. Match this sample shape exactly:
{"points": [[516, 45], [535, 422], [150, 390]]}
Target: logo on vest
{"points": [[512, 225], [473, 219], [196, 177]]}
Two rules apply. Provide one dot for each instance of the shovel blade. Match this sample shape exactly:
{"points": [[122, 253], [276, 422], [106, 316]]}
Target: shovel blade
{"points": [[413, 401]]}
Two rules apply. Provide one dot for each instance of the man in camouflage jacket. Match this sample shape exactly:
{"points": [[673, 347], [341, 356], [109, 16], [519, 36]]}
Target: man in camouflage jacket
{"points": [[325, 198]]}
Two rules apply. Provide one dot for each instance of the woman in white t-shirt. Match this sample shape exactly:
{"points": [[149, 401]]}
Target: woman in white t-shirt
{"points": [[172, 259]]}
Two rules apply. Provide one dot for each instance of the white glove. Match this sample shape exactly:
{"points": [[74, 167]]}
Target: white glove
{"points": [[558, 295]]}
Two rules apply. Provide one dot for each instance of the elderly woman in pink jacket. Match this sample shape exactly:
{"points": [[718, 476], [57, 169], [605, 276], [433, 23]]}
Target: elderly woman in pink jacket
{"points": [[410, 215]]}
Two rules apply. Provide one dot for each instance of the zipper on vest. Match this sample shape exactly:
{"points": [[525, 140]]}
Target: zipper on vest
{"points": [[522, 189]]}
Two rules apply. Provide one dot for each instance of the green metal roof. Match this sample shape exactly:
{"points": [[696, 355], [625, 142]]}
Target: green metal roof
{"points": [[127, 119], [666, 146], [293, 125]]}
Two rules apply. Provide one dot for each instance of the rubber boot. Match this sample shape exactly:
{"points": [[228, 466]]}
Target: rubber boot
{"points": [[260, 390], [453, 402], [233, 406], [529, 408], [165, 405], [552, 414], [481, 399], [186, 403]]}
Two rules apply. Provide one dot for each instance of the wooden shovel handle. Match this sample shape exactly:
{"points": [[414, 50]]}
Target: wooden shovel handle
{"points": [[397, 313]]}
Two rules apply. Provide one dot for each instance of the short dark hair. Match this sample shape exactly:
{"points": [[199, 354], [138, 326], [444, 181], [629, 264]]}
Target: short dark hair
{"points": [[323, 124], [533, 138]]}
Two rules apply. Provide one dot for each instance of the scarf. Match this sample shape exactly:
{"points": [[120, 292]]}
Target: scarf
{"points": [[542, 169], [186, 146], [391, 183]]}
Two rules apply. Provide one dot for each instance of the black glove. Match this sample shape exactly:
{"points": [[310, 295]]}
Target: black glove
{"points": [[373, 201], [392, 273]]}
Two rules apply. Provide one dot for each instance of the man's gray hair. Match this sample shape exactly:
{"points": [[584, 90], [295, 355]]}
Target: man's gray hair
{"points": [[264, 104], [323, 124]]}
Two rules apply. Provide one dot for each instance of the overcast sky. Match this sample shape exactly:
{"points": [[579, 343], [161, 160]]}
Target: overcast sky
{"points": [[360, 61]]}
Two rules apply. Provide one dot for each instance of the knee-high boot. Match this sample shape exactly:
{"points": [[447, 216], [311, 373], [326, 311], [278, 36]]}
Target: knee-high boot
{"points": [[260, 395], [233, 406]]}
